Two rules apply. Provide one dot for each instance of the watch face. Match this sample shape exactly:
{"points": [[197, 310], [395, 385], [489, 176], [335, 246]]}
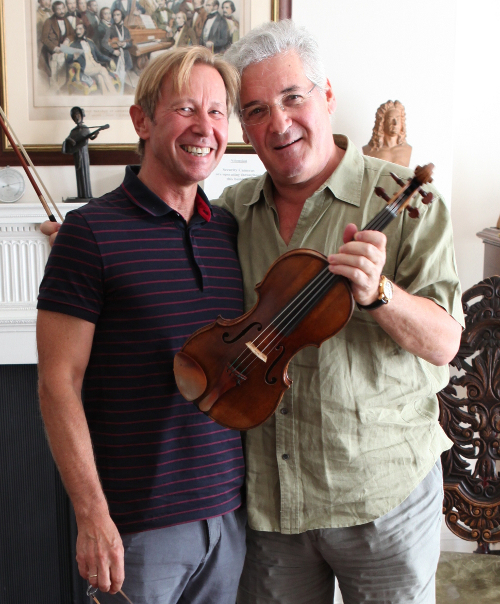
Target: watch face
{"points": [[11, 185], [388, 289]]}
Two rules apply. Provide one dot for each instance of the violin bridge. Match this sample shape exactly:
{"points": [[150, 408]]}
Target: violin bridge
{"points": [[260, 355]]}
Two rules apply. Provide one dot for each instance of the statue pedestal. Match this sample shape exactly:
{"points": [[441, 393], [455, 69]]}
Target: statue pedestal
{"points": [[491, 240], [79, 200]]}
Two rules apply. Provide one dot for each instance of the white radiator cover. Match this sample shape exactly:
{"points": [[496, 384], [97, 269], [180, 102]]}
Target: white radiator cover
{"points": [[23, 254]]}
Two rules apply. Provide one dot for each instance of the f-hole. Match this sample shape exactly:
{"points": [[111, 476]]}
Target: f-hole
{"points": [[272, 380], [225, 335]]}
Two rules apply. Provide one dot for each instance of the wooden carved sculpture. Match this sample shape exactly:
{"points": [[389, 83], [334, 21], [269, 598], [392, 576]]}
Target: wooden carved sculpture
{"points": [[470, 416]]}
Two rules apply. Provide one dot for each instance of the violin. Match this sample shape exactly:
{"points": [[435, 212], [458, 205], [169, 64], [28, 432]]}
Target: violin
{"points": [[235, 371]]}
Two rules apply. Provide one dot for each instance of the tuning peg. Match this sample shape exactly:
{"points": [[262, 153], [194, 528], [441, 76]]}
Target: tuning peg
{"points": [[426, 197], [397, 179], [413, 212], [381, 193]]}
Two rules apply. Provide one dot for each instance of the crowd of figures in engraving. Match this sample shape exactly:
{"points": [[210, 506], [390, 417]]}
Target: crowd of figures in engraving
{"points": [[99, 47]]}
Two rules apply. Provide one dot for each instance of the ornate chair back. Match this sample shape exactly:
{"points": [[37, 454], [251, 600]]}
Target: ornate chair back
{"points": [[470, 416]]}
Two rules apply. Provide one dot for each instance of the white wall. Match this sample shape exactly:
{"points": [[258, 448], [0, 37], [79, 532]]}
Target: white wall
{"points": [[476, 132], [386, 50], [61, 181], [440, 59]]}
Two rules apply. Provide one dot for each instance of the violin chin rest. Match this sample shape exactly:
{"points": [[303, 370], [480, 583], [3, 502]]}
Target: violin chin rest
{"points": [[189, 376]]}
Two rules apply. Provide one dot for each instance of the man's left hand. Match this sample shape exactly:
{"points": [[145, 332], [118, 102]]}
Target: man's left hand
{"points": [[361, 259]]}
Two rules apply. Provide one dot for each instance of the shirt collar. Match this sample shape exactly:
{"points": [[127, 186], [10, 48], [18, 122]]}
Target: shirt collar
{"points": [[141, 196], [345, 181]]}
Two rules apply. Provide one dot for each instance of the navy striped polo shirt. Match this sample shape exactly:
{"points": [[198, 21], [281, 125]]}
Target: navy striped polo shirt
{"points": [[130, 264]]}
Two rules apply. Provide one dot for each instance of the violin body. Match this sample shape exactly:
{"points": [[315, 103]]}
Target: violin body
{"points": [[114, 43], [243, 394]]}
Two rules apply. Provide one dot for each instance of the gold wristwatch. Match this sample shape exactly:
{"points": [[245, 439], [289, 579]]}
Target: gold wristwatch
{"points": [[385, 292]]}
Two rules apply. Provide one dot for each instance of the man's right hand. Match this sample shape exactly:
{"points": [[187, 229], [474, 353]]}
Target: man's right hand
{"points": [[99, 553], [50, 229]]}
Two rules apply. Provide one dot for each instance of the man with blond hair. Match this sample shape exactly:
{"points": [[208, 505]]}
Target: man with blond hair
{"points": [[155, 484]]}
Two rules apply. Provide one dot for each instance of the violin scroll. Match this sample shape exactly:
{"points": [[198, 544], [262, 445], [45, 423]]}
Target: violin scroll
{"points": [[424, 174]]}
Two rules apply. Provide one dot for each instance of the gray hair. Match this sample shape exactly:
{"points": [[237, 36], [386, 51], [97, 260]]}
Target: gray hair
{"points": [[274, 38]]}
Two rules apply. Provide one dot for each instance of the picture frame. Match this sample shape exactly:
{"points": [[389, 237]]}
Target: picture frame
{"points": [[38, 125]]}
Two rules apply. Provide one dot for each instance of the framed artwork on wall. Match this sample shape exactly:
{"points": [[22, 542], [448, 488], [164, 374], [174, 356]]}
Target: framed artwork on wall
{"points": [[39, 87]]}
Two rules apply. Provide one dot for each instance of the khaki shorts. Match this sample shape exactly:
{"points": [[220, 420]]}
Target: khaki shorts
{"points": [[392, 560]]}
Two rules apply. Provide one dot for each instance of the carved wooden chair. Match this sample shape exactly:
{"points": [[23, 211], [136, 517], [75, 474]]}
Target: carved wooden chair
{"points": [[470, 416]]}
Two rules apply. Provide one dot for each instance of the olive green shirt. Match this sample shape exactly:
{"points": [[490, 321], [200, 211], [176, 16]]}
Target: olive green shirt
{"points": [[358, 429]]}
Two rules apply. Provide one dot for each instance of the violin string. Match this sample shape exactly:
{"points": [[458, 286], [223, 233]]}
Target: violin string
{"points": [[309, 300], [297, 302], [268, 331], [294, 302], [378, 223], [328, 283], [324, 280], [328, 279], [280, 335]]}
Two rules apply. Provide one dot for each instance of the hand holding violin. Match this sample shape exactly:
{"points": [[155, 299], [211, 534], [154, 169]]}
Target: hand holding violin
{"points": [[361, 259]]}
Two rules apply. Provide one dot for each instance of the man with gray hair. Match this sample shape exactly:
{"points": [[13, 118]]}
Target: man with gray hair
{"points": [[344, 480]]}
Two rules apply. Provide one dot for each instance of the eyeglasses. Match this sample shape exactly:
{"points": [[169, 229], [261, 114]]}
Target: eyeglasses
{"points": [[91, 591], [260, 113]]}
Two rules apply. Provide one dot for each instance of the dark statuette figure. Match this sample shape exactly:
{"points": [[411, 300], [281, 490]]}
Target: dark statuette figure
{"points": [[77, 144]]}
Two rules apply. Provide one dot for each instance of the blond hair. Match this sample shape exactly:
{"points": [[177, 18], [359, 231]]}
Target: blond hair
{"points": [[178, 64]]}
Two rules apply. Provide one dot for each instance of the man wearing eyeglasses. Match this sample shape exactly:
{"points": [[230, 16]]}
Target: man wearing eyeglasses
{"points": [[344, 480]]}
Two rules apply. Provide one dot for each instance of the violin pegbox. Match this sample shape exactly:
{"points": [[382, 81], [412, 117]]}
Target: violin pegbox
{"points": [[409, 189]]}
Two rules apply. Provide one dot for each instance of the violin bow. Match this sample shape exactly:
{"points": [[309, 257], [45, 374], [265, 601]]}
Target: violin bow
{"points": [[4, 123]]}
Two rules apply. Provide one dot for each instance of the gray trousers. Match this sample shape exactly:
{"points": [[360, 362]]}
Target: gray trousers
{"points": [[193, 563], [392, 560]]}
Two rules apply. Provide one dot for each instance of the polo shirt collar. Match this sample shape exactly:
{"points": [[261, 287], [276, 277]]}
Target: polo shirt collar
{"points": [[345, 182], [141, 196]]}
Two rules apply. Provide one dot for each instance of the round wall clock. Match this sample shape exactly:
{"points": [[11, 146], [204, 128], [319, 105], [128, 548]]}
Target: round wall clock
{"points": [[11, 185]]}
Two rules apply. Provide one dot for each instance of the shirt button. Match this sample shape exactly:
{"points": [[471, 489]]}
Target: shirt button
{"points": [[283, 411], [285, 456]]}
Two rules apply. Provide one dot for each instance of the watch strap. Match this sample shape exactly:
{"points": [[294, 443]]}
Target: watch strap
{"points": [[373, 305]]}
